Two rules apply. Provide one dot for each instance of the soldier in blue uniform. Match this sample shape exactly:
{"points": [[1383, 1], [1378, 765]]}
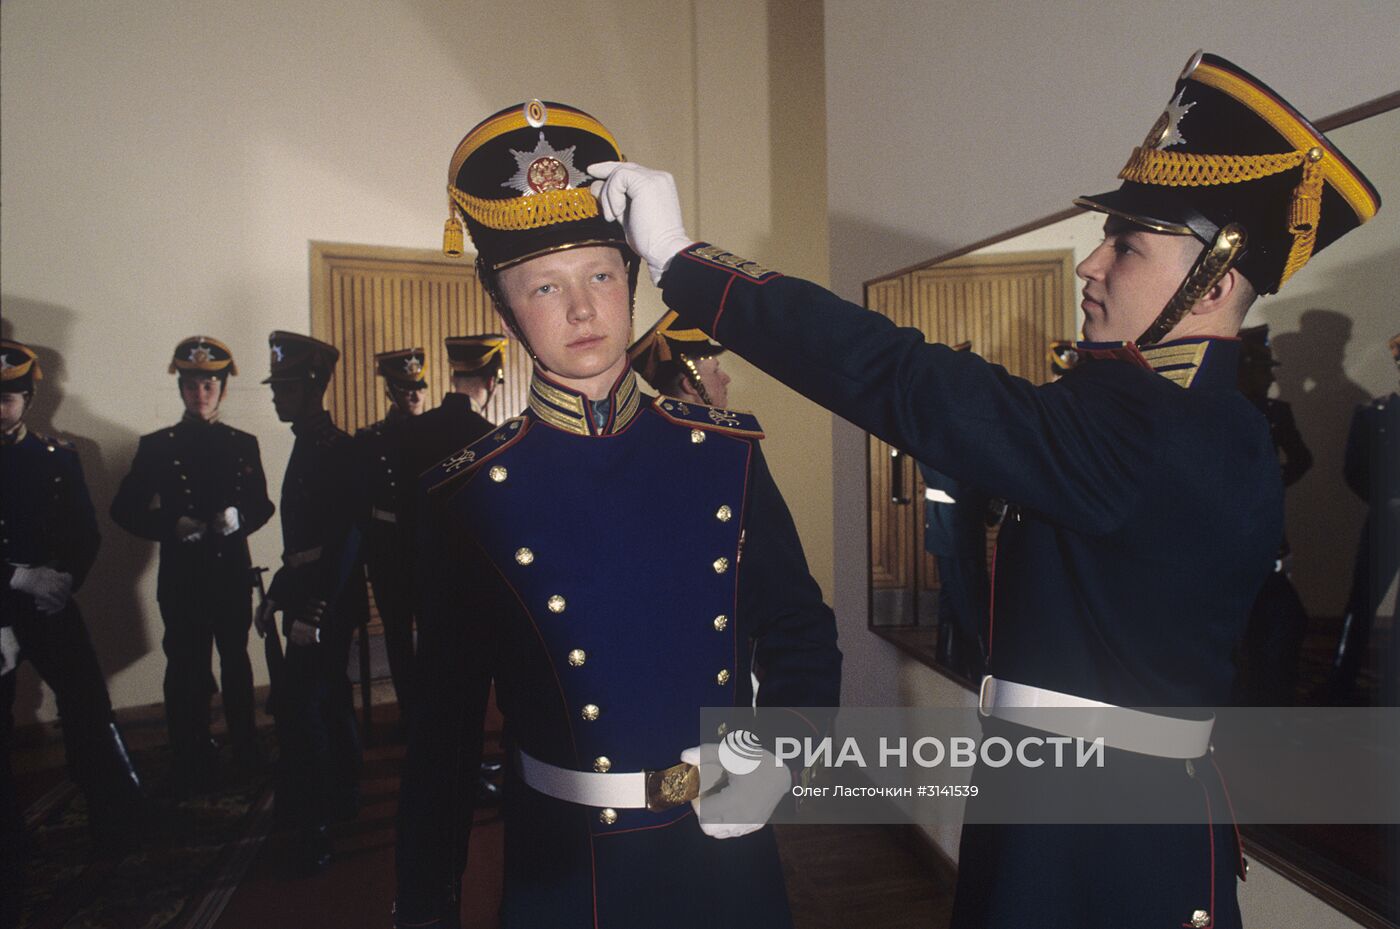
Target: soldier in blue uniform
{"points": [[1145, 489], [387, 480], [198, 489], [616, 562], [48, 543], [681, 363], [321, 593], [1372, 470]]}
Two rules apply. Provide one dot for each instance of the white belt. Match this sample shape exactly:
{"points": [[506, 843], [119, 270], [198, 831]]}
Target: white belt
{"points": [[631, 790], [1119, 727], [297, 559], [388, 516]]}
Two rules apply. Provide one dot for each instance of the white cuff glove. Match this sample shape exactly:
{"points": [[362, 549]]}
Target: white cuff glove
{"points": [[226, 522], [302, 633], [188, 529], [49, 588], [646, 203], [745, 803], [9, 650]]}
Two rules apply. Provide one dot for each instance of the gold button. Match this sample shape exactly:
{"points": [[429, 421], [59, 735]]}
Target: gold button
{"points": [[556, 604], [697, 436], [722, 728], [608, 816], [577, 657], [498, 474], [1200, 919], [1314, 154], [721, 621], [724, 514], [602, 764], [524, 556], [723, 676], [721, 565], [590, 712]]}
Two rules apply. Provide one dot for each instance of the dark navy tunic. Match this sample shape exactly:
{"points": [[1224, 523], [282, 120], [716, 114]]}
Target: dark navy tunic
{"points": [[1147, 513], [614, 578]]}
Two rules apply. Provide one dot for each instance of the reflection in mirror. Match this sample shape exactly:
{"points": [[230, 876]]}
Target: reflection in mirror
{"points": [[1323, 631]]}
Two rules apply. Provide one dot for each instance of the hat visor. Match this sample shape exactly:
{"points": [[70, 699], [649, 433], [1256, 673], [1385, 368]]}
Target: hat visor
{"points": [[1154, 208]]}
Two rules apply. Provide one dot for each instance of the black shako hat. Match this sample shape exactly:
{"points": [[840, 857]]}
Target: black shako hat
{"points": [[405, 368], [202, 356], [19, 367], [518, 180], [297, 357], [481, 355], [1228, 149]]}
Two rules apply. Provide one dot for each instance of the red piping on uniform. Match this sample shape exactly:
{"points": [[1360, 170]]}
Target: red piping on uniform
{"points": [[1234, 820], [723, 298], [1210, 837], [992, 600]]}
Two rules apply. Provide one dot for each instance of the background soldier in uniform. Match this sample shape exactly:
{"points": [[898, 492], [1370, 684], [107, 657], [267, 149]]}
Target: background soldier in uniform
{"points": [[681, 363], [48, 542], [322, 597], [1146, 492], [587, 554], [386, 547], [198, 489]]}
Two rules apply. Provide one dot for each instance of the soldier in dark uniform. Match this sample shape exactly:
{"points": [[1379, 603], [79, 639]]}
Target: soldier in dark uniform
{"points": [[48, 542], [1273, 638], [386, 547], [681, 363], [321, 594], [198, 489], [1145, 488], [478, 367], [1372, 469], [587, 553]]}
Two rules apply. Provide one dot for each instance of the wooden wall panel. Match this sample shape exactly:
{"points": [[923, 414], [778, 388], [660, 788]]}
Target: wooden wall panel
{"points": [[366, 300]]}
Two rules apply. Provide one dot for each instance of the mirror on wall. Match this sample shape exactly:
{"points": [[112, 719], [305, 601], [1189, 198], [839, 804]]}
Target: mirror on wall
{"points": [[1324, 633]]}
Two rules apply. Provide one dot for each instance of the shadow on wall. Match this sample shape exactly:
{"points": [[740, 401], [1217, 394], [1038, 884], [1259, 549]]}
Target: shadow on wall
{"points": [[109, 600], [1324, 517]]}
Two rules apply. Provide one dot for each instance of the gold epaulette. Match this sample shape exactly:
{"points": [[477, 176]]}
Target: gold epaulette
{"points": [[466, 460], [710, 418]]}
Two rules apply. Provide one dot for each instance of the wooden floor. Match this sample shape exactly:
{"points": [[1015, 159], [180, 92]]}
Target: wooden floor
{"points": [[837, 876]]}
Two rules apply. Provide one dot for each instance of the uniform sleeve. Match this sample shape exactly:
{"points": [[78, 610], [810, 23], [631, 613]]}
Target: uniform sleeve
{"points": [[254, 506], [341, 525], [1074, 450], [84, 537], [452, 682], [795, 653], [131, 507]]}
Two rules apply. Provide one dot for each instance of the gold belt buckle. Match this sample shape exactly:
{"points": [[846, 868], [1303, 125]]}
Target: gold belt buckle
{"points": [[670, 787]]}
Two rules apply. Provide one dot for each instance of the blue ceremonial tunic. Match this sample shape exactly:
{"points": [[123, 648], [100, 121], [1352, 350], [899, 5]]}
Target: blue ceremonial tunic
{"points": [[614, 577], [1147, 509]]}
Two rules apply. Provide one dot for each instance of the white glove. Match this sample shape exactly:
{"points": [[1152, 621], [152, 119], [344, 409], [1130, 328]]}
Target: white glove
{"points": [[188, 529], [304, 633], [265, 619], [745, 803], [49, 588], [646, 203], [9, 650], [227, 521]]}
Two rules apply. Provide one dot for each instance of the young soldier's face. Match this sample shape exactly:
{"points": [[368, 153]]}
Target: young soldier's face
{"points": [[12, 407], [574, 309], [410, 402], [201, 395], [1129, 278], [289, 398]]}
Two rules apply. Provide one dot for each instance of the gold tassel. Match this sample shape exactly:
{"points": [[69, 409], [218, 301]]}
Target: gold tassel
{"points": [[452, 237]]}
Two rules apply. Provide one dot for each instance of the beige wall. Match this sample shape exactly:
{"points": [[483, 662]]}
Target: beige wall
{"points": [[166, 164]]}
